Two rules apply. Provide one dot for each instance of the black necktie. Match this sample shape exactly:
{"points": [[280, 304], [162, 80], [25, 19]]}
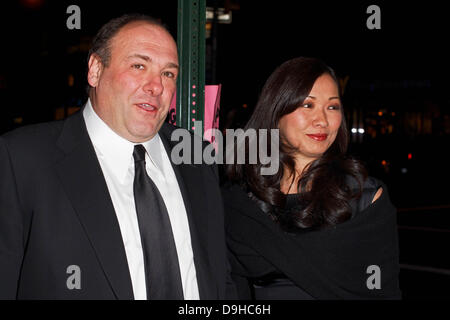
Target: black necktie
{"points": [[162, 272]]}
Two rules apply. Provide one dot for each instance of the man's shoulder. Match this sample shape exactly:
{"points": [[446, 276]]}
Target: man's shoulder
{"points": [[34, 132], [32, 140], [168, 128], [170, 131]]}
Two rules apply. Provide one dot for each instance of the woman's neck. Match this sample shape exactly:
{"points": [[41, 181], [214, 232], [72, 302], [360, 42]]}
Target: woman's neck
{"points": [[289, 181]]}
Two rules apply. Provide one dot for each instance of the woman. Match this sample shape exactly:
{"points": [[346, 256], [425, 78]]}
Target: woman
{"points": [[319, 228]]}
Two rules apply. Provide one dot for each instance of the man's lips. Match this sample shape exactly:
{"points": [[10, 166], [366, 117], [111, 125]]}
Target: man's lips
{"points": [[318, 137], [147, 107]]}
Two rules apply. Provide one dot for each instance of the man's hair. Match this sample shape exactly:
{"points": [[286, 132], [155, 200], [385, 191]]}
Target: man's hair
{"points": [[101, 44]]}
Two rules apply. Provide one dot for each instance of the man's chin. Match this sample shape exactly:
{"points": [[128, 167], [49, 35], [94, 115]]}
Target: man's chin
{"points": [[139, 135]]}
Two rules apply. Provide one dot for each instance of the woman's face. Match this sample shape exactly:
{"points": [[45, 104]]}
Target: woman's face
{"points": [[312, 128]]}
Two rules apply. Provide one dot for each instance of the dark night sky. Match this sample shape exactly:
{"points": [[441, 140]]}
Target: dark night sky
{"points": [[410, 44]]}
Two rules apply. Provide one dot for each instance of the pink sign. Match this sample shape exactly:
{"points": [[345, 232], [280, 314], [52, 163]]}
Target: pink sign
{"points": [[211, 112]]}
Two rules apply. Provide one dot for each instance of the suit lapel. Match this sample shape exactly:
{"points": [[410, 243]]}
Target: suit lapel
{"points": [[85, 186], [191, 186]]}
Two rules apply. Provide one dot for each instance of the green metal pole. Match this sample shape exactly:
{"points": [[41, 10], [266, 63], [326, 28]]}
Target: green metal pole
{"points": [[191, 51]]}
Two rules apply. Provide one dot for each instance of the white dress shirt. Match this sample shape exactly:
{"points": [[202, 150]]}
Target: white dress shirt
{"points": [[115, 155]]}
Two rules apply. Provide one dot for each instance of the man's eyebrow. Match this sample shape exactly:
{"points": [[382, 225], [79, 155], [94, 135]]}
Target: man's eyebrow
{"points": [[140, 56], [172, 65], [147, 58]]}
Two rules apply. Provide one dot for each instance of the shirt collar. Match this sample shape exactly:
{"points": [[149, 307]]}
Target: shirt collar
{"points": [[116, 151]]}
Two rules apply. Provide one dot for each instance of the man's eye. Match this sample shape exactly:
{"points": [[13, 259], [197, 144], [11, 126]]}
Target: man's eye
{"points": [[138, 66], [169, 74]]}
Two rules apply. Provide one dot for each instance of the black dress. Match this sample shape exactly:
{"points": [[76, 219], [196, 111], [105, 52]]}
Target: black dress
{"points": [[334, 263]]}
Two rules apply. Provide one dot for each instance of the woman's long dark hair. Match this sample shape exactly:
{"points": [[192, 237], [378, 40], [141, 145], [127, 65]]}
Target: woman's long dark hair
{"points": [[325, 193]]}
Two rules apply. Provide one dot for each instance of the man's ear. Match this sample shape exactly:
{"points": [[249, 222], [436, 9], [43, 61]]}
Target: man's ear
{"points": [[95, 68]]}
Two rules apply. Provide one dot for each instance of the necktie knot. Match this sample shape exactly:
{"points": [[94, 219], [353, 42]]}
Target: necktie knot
{"points": [[139, 153]]}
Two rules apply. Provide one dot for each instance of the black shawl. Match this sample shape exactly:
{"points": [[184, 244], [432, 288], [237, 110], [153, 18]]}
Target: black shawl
{"points": [[328, 264]]}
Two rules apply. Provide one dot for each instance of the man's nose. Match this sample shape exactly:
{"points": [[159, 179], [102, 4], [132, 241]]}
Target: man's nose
{"points": [[154, 85]]}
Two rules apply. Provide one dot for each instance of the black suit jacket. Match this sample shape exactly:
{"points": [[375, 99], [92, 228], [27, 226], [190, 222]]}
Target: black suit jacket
{"points": [[56, 212]]}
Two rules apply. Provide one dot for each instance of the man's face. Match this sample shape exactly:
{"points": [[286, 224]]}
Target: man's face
{"points": [[133, 94]]}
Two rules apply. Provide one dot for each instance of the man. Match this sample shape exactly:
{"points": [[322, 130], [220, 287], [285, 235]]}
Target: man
{"points": [[77, 197]]}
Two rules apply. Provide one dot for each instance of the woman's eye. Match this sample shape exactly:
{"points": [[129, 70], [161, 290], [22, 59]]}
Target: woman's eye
{"points": [[307, 105], [138, 66], [334, 107]]}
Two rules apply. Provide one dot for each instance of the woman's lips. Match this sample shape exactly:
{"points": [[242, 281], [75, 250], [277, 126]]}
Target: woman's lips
{"points": [[318, 137]]}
